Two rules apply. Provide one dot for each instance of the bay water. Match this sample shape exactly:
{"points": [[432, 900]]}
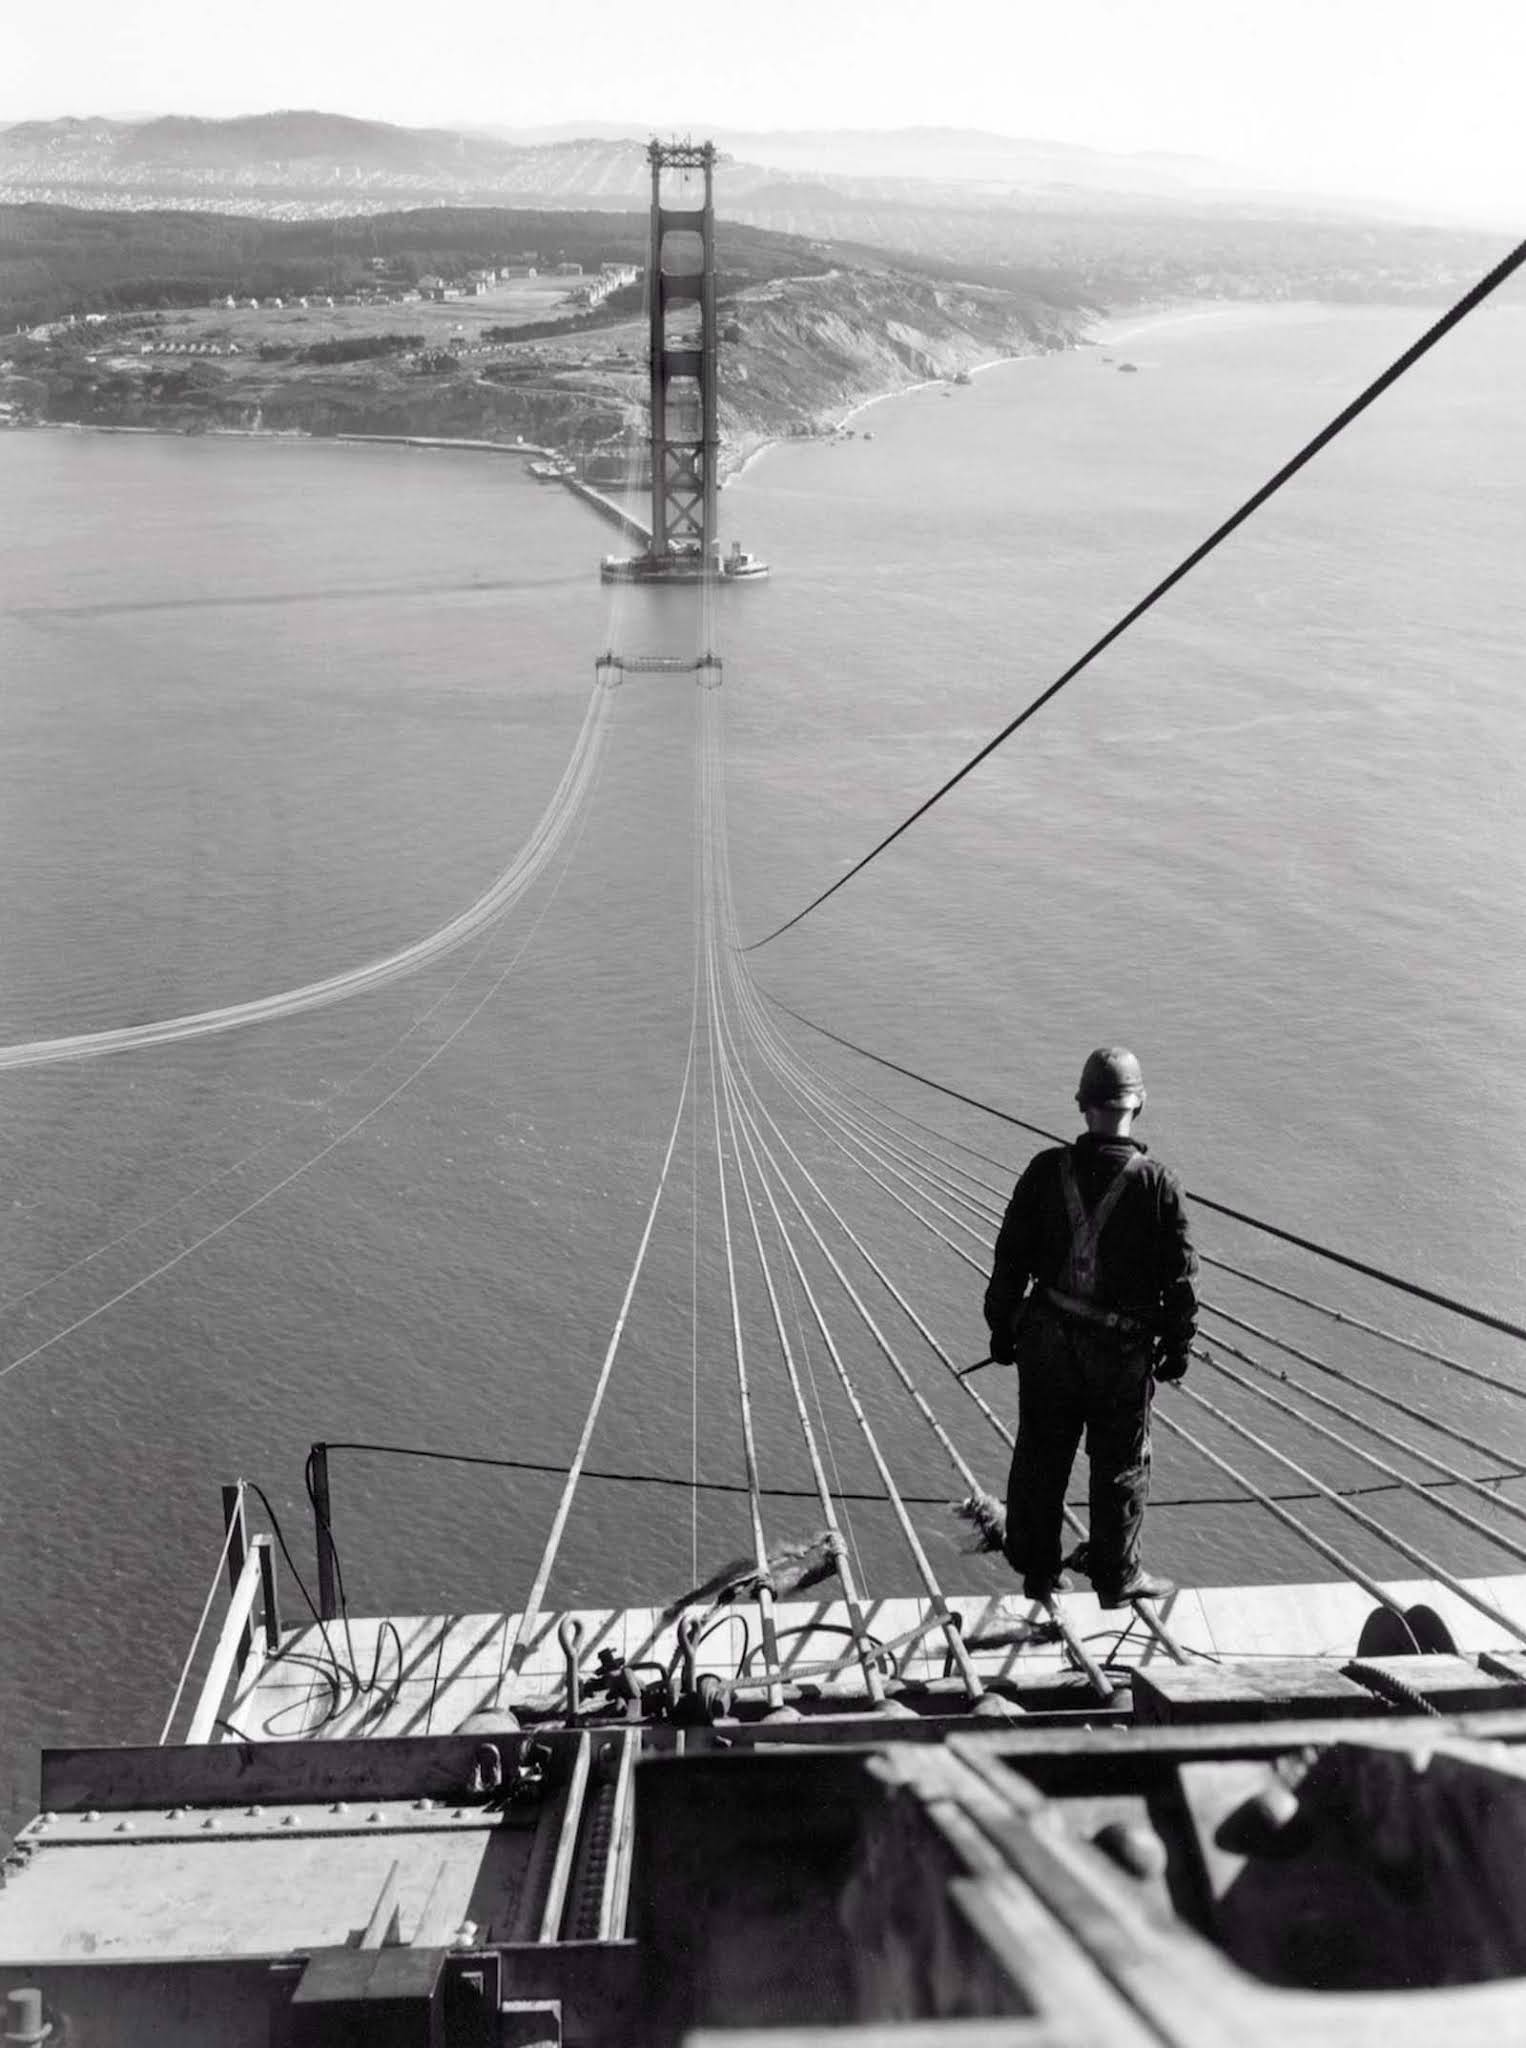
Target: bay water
{"points": [[272, 709]]}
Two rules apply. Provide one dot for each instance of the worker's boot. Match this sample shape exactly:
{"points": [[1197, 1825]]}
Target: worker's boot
{"points": [[1139, 1585], [1044, 1585]]}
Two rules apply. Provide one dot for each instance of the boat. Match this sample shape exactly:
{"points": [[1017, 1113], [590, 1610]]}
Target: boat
{"points": [[684, 566], [738, 565], [552, 471]]}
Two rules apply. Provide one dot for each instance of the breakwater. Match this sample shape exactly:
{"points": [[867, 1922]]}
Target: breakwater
{"points": [[632, 527]]}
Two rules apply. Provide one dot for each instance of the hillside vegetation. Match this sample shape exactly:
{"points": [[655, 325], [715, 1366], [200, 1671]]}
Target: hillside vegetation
{"points": [[57, 260], [806, 330]]}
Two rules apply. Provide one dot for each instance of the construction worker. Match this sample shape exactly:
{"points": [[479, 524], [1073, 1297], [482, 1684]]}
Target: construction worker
{"points": [[1092, 1298]]}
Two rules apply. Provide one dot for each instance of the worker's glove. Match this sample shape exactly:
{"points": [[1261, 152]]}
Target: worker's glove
{"points": [[1003, 1347], [1170, 1366]]}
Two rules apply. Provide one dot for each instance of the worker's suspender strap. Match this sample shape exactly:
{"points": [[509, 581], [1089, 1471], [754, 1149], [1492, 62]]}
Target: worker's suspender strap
{"points": [[1085, 1231]]}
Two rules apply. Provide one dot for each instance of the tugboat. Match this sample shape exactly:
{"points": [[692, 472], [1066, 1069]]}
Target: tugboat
{"points": [[739, 566], [684, 565]]}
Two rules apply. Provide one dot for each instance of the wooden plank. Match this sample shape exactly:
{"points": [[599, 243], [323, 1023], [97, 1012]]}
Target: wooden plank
{"points": [[622, 1836], [567, 1839], [1051, 1972], [1321, 1620], [1455, 1685], [1270, 1688], [232, 1645]]}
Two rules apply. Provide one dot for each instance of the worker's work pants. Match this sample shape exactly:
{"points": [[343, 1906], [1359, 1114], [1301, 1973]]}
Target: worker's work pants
{"points": [[1073, 1377]]}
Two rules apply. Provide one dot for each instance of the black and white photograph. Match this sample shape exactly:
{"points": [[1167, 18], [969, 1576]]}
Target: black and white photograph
{"points": [[762, 1025]]}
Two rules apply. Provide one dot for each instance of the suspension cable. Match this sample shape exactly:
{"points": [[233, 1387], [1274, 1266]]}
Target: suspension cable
{"points": [[517, 1644], [1368, 1522], [946, 1443], [1398, 1479], [781, 1060], [684, 1483], [852, 1597], [716, 1053], [1378, 1394], [504, 892], [324, 1151], [1345, 1565], [941, 1614], [1402, 1480], [1454, 1477], [1306, 454], [863, 1642], [891, 1136], [844, 1138], [1339, 1315], [1451, 1476], [1322, 1251]]}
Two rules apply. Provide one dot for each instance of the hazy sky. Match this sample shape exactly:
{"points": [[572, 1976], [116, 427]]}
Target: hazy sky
{"points": [[1416, 100]]}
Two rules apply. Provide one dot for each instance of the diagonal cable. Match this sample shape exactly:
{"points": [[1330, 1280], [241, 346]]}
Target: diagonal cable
{"points": [[1305, 455]]}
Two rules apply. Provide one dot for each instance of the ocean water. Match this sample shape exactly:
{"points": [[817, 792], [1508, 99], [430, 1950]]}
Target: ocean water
{"points": [[272, 710]]}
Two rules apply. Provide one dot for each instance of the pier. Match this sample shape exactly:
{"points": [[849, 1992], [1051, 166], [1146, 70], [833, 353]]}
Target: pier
{"points": [[632, 527]]}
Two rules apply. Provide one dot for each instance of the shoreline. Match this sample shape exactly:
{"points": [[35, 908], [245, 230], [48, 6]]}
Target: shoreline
{"points": [[1109, 330], [292, 434], [835, 427]]}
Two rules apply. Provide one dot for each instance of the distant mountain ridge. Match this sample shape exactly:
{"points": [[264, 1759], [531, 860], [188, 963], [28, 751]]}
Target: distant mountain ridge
{"points": [[300, 146], [1106, 229], [308, 154]]}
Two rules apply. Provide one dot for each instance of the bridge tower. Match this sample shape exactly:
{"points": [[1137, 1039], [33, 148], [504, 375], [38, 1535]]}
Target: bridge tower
{"points": [[681, 275], [685, 437]]}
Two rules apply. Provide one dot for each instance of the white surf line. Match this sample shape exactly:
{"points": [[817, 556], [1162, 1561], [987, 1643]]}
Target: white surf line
{"points": [[502, 895]]}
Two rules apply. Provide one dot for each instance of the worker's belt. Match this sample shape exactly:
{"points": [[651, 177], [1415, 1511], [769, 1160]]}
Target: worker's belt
{"points": [[1102, 1318]]}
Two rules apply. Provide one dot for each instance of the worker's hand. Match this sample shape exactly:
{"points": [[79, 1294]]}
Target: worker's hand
{"points": [[1003, 1349], [1170, 1367]]}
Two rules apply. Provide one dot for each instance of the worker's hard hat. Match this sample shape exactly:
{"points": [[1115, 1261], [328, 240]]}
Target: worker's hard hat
{"points": [[1111, 1079]]}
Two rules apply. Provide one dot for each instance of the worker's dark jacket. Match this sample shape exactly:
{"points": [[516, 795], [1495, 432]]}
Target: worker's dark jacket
{"points": [[1146, 1266]]}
